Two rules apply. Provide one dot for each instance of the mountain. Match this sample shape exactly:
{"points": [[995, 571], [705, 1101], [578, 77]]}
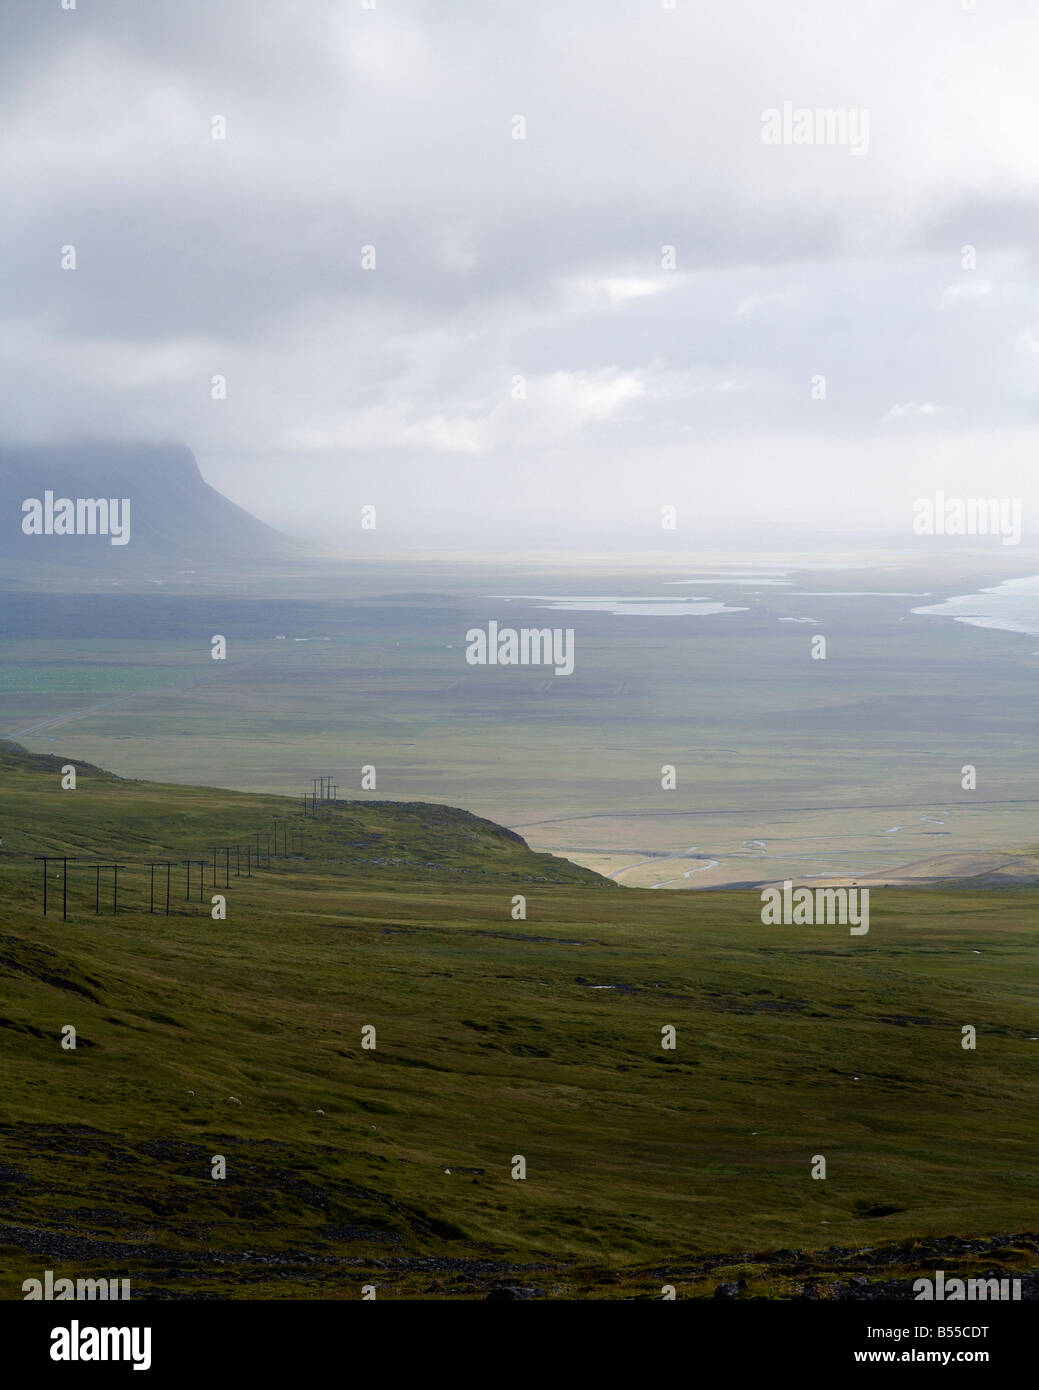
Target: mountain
{"points": [[174, 514]]}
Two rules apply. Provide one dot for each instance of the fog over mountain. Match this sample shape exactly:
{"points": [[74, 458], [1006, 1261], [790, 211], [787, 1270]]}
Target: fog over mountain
{"points": [[902, 272], [59, 503]]}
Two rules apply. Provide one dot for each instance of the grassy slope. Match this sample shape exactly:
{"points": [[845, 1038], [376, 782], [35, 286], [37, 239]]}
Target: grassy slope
{"points": [[642, 1164]]}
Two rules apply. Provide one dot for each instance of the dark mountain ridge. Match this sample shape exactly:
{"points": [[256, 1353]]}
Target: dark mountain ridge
{"points": [[174, 514]]}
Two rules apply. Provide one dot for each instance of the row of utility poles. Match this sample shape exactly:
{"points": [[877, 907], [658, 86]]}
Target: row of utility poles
{"points": [[323, 789], [256, 854]]}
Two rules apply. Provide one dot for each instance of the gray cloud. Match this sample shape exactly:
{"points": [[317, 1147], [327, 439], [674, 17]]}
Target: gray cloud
{"points": [[539, 257]]}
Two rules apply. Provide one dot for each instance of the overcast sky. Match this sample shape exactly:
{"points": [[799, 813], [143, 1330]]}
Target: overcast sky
{"points": [[540, 257]]}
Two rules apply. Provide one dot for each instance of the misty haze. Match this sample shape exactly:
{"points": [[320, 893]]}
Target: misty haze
{"points": [[520, 598]]}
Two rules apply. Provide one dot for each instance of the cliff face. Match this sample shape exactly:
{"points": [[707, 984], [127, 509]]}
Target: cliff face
{"points": [[173, 513]]}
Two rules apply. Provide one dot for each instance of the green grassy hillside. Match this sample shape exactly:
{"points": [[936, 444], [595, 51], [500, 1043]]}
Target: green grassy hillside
{"points": [[495, 1037], [109, 817]]}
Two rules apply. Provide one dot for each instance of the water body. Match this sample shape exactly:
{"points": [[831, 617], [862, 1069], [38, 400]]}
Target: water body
{"points": [[765, 579], [625, 607], [700, 869], [1012, 606], [856, 593]]}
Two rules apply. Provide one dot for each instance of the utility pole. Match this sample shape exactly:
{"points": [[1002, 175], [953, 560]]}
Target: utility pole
{"points": [[187, 890], [45, 859]]}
